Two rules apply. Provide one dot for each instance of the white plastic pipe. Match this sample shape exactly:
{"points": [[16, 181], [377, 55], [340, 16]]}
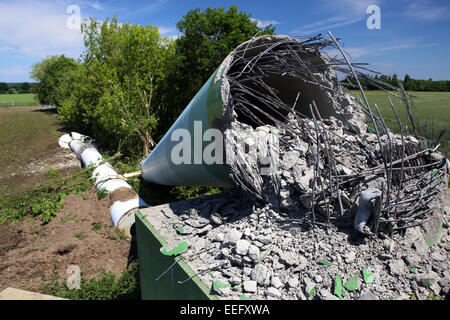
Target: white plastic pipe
{"points": [[365, 209], [121, 212]]}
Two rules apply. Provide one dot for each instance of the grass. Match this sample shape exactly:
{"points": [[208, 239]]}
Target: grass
{"points": [[44, 201], [25, 134], [18, 98], [97, 227], [105, 287], [431, 113]]}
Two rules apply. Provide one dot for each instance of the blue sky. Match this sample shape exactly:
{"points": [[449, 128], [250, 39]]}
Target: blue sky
{"points": [[413, 37]]}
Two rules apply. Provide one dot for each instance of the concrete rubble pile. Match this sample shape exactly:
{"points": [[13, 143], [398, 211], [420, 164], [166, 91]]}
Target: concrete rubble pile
{"points": [[300, 143]]}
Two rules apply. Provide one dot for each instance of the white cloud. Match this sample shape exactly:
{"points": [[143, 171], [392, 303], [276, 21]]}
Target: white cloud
{"points": [[340, 13], [38, 29], [372, 50], [265, 23], [95, 4], [4, 49], [427, 11], [166, 30], [170, 32]]}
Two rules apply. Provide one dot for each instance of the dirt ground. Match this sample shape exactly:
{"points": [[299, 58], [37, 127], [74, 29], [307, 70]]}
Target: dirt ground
{"points": [[81, 234]]}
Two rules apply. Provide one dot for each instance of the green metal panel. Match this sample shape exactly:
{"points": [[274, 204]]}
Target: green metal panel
{"points": [[152, 264], [159, 168]]}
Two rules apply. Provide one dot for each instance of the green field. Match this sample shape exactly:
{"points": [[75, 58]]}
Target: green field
{"points": [[431, 109], [18, 98]]}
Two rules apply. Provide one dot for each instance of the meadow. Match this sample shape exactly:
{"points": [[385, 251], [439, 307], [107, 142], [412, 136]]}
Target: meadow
{"points": [[431, 111], [18, 99]]}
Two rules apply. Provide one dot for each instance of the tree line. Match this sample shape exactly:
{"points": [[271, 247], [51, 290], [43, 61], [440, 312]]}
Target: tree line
{"points": [[130, 83], [13, 88], [408, 83]]}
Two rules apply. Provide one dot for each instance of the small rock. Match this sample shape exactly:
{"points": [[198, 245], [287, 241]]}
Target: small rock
{"points": [[222, 287], [250, 286], [412, 259], [219, 237], [235, 280], [242, 247], [216, 218], [290, 158], [253, 252], [293, 282], [231, 237], [309, 285], [443, 282], [276, 282], [247, 271], [327, 295], [318, 278], [199, 244], [350, 256], [368, 295], [264, 239], [437, 256], [397, 267], [288, 258], [273, 292], [259, 273]]}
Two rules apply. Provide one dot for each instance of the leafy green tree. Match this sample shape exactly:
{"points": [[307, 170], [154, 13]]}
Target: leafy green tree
{"points": [[207, 37], [50, 72], [3, 87], [25, 87], [116, 95]]}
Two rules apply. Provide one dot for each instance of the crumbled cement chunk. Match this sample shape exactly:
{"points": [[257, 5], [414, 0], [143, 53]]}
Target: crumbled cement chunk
{"points": [[327, 295], [276, 282], [253, 252], [273, 292], [219, 237], [264, 239], [309, 285], [289, 159], [397, 267], [231, 237], [293, 282], [368, 295], [242, 247], [250, 286], [289, 258], [349, 257], [259, 273]]}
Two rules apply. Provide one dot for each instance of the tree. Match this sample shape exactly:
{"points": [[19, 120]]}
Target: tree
{"points": [[116, 93], [25, 87], [50, 72], [3, 87], [207, 37]]}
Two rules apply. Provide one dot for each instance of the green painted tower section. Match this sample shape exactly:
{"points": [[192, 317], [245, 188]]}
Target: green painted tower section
{"points": [[152, 263]]}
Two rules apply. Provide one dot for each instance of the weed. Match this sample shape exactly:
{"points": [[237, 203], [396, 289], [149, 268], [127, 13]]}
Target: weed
{"points": [[101, 193], [105, 287], [52, 174], [80, 236], [68, 219], [45, 201], [96, 227], [121, 235]]}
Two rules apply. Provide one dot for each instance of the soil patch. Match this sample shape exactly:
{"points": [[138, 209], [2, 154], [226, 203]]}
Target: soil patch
{"points": [[80, 235]]}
